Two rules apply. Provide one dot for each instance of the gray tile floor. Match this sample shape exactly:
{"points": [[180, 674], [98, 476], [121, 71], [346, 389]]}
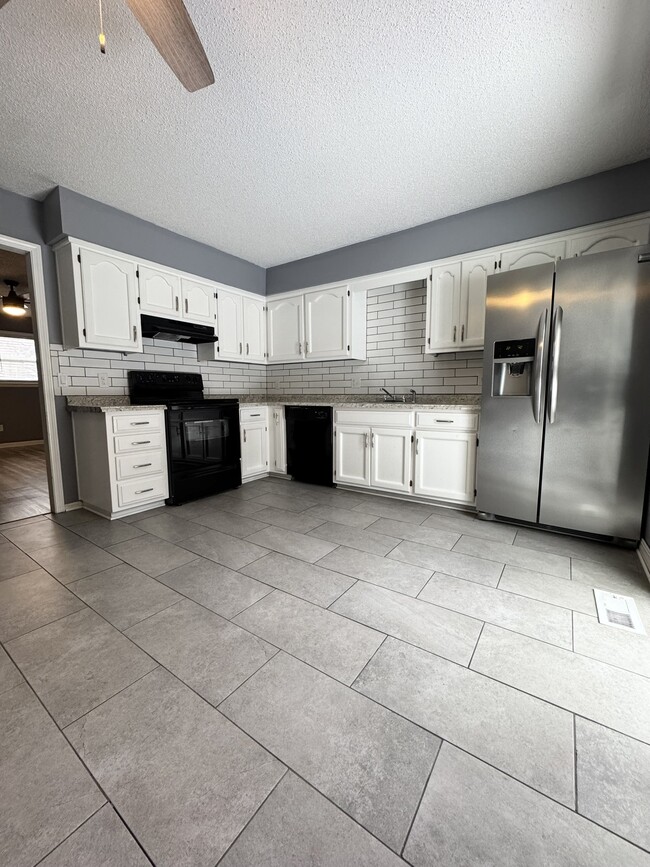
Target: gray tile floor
{"points": [[288, 675]]}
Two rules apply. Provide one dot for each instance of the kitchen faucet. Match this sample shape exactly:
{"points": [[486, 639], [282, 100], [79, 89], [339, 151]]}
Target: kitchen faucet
{"points": [[394, 398]]}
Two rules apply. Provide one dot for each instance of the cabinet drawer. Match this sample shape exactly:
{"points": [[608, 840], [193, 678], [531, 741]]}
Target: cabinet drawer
{"points": [[447, 420], [141, 464], [141, 490], [254, 413], [137, 441], [137, 421], [381, 418]]}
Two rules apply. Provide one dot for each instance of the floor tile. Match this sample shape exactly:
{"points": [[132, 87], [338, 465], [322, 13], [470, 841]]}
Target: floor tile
{"points": [[415, 533], [151, 555], [447, 633], [624, 579], [170, 527], [123, 595], [45, 791], [472, 814], [313, 583], [206, 652], [338, 515], [215, 587], [546, 588], [299, 522], [614, 781], [23, 522], [352, 537], [41, 534], [185, 780], [104, 533], [294, 544], [330, 643], [585, 686], [32, 600], [450, 562], [453, 520], [521, 735], [9, 674], [370, 762], [77, 662], [570, 546], [629, 650], [553, 564], [74, 516], [14, 562], [377, 570], [102, 841], [298, 826], [246, 508], [528, 616], [227, 550], [74, 560], [226, 522], [149, 513], [290, 502], [412, 513]]}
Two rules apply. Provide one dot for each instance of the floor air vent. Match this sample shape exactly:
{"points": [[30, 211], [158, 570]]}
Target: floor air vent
{"points": [[619, 611]]}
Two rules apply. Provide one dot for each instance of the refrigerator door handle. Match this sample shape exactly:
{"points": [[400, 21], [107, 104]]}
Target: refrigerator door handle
{"points": [[538, 369], [555, 361]]}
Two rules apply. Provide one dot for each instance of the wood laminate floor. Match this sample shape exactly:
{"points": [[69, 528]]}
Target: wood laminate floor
{"points": [[23, 483]]}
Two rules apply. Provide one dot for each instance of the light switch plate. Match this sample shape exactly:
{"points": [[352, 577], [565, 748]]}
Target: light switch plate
{"points": [[104, 381], [63, 379]]}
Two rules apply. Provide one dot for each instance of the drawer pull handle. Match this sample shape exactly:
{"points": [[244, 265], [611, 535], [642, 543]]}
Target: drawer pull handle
{"points": [[140, 442], [136, 423], [144, 491], [256, 414], [445, 420], [138, 466]]}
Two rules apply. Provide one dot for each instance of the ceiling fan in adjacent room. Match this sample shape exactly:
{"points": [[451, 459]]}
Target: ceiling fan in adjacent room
{"points": [[169, 26]]}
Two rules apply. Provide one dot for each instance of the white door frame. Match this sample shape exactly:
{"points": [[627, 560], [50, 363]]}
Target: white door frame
{"points": [[36, 282]]}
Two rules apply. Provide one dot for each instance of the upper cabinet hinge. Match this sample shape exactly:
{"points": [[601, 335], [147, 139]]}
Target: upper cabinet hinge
{"points": [[428, 341], [474, 491], [348, 347], [348, 293], [476, 442], [84, 332], [412, 438], [138, 299], [137, 272], [411, 483], [78, 257], [216, 294]]}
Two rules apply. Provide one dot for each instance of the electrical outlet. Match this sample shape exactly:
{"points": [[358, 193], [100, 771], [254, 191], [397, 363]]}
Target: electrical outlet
{"points": [[355, 381], [2, 427], [104, 381], [63, 379]]}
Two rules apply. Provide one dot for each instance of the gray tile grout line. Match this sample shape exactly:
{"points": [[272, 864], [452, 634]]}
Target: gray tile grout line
{"points": [[469, 664], [575, 763], [419, 803], [78, 828]]}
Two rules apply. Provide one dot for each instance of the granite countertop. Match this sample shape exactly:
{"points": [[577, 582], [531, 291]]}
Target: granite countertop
{"points": [[458, 402]]}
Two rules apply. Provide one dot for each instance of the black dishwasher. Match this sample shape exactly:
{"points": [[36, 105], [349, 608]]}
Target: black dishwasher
{"points": [[309, 444]]}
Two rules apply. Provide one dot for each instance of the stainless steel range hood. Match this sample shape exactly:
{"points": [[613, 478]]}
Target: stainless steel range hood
{"points": [[179, 332]]}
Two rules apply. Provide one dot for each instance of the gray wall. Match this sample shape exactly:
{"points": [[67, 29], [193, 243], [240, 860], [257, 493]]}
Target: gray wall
{"points": [[617, 193], [68, 213], [20, 414]]}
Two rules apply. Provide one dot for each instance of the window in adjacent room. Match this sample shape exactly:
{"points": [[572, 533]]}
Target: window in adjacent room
{"points": [[18, 359]]}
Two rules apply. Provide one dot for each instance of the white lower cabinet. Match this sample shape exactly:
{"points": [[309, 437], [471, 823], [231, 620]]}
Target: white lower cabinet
{"points": [[390, 458], [254, 436], [121, 461], [445, 465], [277, 441], [353, 455]]}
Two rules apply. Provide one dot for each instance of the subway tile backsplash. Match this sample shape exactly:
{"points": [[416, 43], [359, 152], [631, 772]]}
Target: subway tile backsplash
{"points": [[395, 360]]}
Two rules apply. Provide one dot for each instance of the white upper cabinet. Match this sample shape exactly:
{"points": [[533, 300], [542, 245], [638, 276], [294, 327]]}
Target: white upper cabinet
{"points": [[473, 289], [443, 313], [104, 314], [613, 238], [327, 314], [254, 329], [285, 329], [229, 327], [390, 462], [160, 292], [197, 301], [536, 254]]}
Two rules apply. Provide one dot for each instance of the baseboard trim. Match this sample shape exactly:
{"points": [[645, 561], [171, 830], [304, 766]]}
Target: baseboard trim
{"points": [[644, 556], [19, 444]]}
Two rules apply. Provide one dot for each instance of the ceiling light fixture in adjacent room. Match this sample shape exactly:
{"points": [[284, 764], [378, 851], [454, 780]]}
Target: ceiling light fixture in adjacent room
{"points": [[13, 304]]}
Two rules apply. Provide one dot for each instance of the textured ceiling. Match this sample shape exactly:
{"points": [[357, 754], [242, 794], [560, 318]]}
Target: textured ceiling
{"points": [[330, 122]]}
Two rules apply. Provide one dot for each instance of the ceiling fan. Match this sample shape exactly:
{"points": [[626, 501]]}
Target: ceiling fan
{"points": [[169, 26]]}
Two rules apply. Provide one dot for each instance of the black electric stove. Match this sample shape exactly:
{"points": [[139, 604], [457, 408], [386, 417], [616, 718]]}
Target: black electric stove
{"points": [[203, 449]]}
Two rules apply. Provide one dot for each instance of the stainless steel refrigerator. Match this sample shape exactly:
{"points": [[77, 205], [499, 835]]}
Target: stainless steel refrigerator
{"points": [[565, 418]]}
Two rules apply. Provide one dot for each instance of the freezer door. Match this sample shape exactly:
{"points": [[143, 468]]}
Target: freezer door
{"points": [[510, 449], [598, 402]]}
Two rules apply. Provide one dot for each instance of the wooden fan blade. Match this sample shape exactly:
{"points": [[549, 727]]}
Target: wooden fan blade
{"points": [[169, 26]]}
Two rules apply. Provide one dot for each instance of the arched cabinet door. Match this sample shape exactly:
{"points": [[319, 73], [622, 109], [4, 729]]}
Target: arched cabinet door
{"points": [[613, 238], [229, 325], [109, 294], [285, 329], [160, 292], [443, 328], [254, 323], [327, 323], [473, 290], [197, 302], [526, 257]]}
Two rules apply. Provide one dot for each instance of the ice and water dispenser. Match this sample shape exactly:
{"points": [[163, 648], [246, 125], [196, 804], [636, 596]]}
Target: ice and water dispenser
{"points": [[512, 374]]}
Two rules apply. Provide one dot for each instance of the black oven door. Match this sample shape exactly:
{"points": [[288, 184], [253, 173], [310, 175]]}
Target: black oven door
{"points": [[204, 451]]}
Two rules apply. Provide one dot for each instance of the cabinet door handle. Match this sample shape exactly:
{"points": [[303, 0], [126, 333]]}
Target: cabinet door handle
{"points": [[247, 349], [140, 442], [366, 436], [186, 306], [372, 441], [135, 333], [177, 303], [455, 330], [139, 466], [306, 348], [144, 491], [244, 434], [240, 348], [462, 333], [417, 446], [300, 349], [137, 423]]}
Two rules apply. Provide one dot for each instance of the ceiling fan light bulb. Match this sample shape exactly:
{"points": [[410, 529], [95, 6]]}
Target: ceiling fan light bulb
{"points": [[102, 43]]}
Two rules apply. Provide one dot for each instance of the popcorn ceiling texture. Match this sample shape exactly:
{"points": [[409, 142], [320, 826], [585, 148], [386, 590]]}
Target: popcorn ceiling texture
{"points": [[395, 316], [329, 123]]}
